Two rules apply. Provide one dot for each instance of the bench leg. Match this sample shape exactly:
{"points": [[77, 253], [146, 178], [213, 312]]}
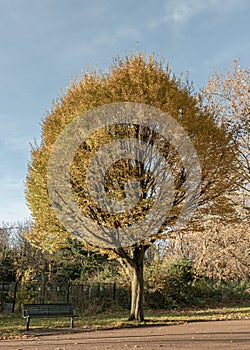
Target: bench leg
{"points": [[27, 323], [72, 322]]}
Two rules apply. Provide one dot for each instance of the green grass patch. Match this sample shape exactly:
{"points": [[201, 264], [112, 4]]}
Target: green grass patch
{"points": [[13, 325]]}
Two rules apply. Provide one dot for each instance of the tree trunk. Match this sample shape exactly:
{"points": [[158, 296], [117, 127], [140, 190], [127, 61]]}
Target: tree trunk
{"points": [[14, 297], [137, 292], [133, 266], [132, 261]]}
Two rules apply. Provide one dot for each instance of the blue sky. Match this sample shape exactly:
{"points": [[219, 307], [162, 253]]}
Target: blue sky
{"points": [[44, 43]]}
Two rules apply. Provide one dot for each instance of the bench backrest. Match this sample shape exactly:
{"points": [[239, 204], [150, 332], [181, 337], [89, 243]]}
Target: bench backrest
{"points": [[36, 310]]}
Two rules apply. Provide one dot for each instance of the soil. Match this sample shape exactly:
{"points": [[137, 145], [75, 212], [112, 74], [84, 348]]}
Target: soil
{"points": [[219, 335]]}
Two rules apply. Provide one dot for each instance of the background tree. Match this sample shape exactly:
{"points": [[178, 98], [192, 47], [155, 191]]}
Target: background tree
{"points": [[20, 262], [219, 253], [7, 256], [74, 261], [142, 79], [228, 96]]}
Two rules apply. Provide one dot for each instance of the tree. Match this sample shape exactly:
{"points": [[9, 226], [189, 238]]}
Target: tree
{"points": [[20, 262], [141, 80], [228, 96], [7, 268], [219, 251], [75, 262]]}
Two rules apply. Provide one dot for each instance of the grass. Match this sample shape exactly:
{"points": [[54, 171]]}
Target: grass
{"points": [[13, 325]]}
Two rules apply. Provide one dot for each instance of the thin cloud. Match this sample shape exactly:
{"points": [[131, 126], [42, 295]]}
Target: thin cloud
{"points": [[180, 12]]}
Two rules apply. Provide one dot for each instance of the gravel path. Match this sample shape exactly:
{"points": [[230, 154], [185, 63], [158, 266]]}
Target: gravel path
{"points": [[219, 335]]}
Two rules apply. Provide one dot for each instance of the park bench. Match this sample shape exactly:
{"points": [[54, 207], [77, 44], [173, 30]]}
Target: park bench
{"points": [[47, 311]]}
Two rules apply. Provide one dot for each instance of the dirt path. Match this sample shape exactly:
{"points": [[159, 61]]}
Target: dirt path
{"points": [[219, 335]]}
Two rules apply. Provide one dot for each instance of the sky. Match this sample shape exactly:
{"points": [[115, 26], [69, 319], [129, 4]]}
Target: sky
{"points": [[45, 43]]}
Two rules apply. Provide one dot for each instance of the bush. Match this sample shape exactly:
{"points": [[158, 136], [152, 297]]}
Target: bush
{"points": [[169, 284], [179, 282], [175, 284], [226, 292]]}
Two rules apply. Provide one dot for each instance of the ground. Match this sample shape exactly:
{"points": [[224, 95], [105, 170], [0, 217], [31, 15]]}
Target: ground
{"points": [[219, 335]]}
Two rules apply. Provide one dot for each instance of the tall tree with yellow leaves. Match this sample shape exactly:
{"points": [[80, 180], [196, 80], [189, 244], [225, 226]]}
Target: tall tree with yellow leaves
{"points": [[184, 150]]}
